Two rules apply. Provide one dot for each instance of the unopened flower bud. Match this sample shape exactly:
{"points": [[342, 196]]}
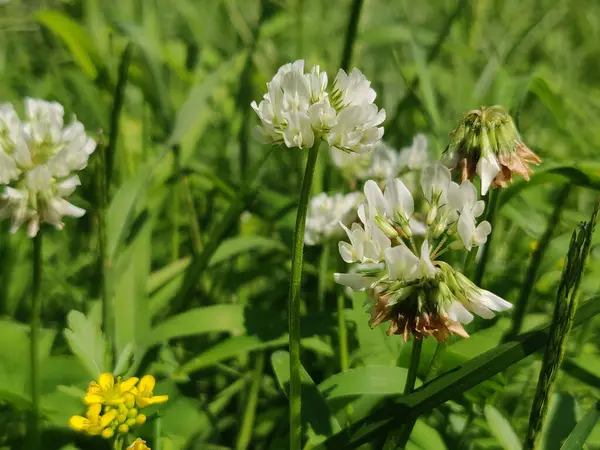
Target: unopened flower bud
{"points": [[386, 227], [123, 428], [107, 433]]}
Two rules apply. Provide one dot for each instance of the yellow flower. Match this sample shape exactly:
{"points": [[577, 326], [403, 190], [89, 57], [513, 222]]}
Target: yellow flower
{"points": [[138, 444], [107, 392], [143, 393], [94, 423]]}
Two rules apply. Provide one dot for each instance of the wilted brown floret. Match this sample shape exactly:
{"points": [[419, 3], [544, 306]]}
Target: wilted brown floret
{"points": [[405, 319], [515, 162]]}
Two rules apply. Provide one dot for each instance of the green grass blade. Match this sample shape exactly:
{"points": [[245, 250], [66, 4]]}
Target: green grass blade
{"points": [[582, 430]]}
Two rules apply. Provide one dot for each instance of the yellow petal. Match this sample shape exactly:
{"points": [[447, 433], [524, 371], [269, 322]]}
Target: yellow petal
{"points": [[127, 385], [106, 380], [79, 423], [142, 402], [90, 399], [158, 399], [94, 410], [108, 418], [147, 384]]}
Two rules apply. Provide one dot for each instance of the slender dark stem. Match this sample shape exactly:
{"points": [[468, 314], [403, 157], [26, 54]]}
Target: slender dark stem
{"points": [[36, 313], [105, 263], [490, 216], [294, 302], [534, 264], [119, 97], [351, 34]]}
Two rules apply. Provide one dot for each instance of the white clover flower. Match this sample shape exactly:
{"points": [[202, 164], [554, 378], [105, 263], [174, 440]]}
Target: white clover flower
{"points": [[325, 213], [297, 110], [416, 156], [357, 128], [416, 291], [42, 154], [381, 163]]}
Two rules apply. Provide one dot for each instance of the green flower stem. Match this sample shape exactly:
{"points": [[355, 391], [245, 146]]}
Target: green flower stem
{"points": [[36, 313], [323, 271], [342, 331], [534, 264], [245, 436], [294, 302], [157, 433], [415, 358], [567, 300], [433, 371], [490, 216]]}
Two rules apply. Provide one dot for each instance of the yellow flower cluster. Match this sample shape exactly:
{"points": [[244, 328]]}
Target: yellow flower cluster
{"points": [[113, 406], [138, 444]]}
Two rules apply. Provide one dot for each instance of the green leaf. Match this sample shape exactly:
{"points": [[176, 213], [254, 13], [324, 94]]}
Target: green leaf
{"points": [[425, 437], [75, 37], [237, 345], [315, 411], [86, 342], [235, 246], [451, 384], [122, 210], [582, 430], [501, 429], [132, 320], [216, 318], [369, 380], [560, 421]]}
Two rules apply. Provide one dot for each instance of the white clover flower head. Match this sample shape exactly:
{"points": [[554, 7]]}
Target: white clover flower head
{"points": [[326, 212], [416, 156], [38, 157], [297, 110], [412, 288], [381, 163]]}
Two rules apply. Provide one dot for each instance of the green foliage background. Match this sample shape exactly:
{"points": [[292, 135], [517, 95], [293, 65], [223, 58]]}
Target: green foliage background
{"points": [[213, 332]]}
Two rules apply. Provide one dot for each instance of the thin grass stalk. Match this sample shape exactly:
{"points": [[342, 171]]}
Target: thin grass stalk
{"points": [[248, 420], [117, 107], [490, 216], [432, 55], [323, 278], [342, 331], [104, 263], [535, 263], [562, 322], [36, 319], [295, 400], [215, 237]]}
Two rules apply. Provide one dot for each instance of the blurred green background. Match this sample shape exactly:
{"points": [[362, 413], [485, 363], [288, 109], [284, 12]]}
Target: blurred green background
{"points": [[185, 151]]}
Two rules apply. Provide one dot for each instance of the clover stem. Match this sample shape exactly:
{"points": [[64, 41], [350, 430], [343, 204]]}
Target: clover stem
{"points": [[36, 312], [294, 301]]}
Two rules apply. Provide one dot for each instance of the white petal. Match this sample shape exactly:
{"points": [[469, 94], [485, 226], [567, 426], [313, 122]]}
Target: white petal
{"points": [[493, 302], [426, 267], [458, 313], [399, 199], [354, 281], [466, 228], [346, 252], [478, 208], [417, 227], [434, 179], [401, 263], [487, 169], [482, 231], [375, 197], [481, 310]]}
